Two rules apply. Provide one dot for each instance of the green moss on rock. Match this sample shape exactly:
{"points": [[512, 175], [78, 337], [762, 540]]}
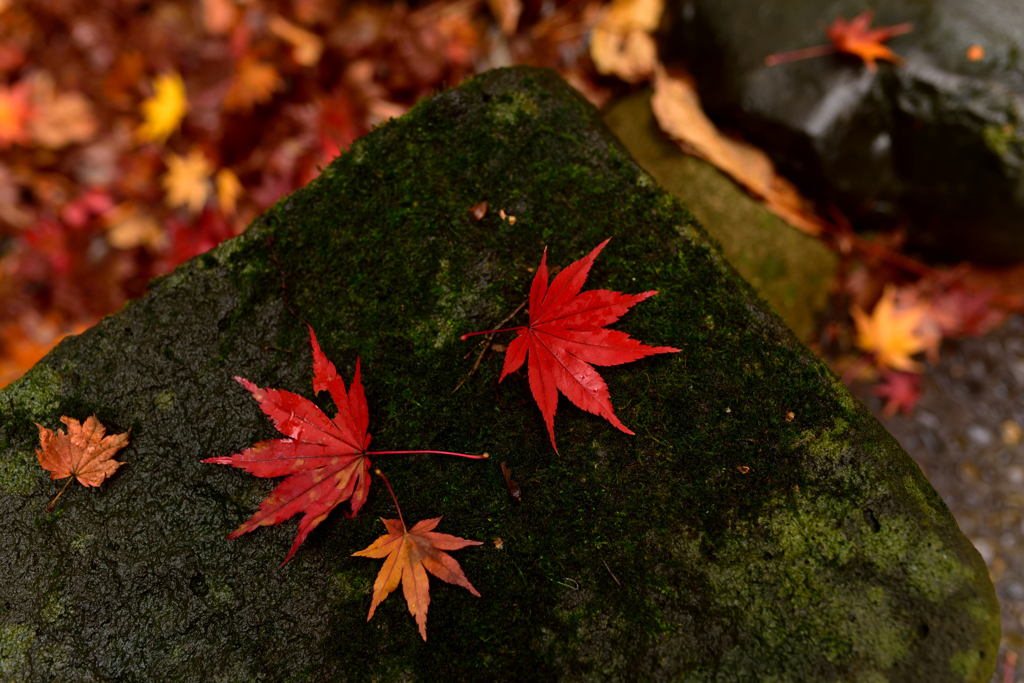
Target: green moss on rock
{"points": [[15, 641], [722, 542]]}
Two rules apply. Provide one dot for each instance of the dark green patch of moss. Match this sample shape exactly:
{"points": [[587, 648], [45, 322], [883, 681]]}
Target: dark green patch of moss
{"points": [[650, 553]]}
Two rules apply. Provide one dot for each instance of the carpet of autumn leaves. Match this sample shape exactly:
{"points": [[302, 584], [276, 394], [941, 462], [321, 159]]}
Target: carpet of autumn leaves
{"points": [[137, 134]]}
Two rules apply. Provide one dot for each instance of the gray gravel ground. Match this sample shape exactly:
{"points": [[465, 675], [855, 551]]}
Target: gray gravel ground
{"points": [[966, 436]]}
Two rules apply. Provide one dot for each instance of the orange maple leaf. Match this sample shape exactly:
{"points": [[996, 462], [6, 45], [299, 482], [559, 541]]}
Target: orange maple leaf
{"points": [[893, 333], [851, 37], [255, 83], [14, 112], [84, 452], [228, 189], [408, 555]]}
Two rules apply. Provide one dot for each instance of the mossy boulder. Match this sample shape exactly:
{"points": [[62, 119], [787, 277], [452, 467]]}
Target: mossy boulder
{"points": [[760, 525], [935, 142]]}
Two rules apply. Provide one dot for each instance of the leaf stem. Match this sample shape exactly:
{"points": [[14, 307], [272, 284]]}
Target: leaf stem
{"points": [[485, 456], [796, 55], [50, 506], [388, 484], [507, 329]]}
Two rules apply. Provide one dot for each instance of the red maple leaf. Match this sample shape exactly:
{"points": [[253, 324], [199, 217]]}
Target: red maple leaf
{"points": [[902, 390], [855, 38], [325, 460], [851, 37], [566, 335]]}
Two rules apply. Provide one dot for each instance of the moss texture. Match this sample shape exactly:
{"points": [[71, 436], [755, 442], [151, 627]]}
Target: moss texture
{"points": [[631, 557]]}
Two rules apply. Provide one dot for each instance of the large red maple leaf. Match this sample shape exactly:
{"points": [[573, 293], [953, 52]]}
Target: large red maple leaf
{"points": [[326, 459], [566, 336]]}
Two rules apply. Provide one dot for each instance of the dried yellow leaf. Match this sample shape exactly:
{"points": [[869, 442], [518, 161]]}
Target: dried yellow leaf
{"points": [[162, 113], [622, 44], [187, 180], [893, 333]]}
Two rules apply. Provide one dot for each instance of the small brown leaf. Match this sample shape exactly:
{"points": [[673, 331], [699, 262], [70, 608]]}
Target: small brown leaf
{"points": [[478, 211], [84, 452], [511, 484], [743, 469]]}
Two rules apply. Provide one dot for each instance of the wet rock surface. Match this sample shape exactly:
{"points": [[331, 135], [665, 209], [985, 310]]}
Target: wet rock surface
{"points": [[966, 436], [789, 270], [935, 142], [760, 524]]}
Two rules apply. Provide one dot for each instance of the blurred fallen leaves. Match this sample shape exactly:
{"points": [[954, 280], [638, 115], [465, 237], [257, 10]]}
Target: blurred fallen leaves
{"points": [[622, 42], [893, 333], [306, 47], [229, 187], [187, 180], [162, 113], [255, 83], [128, 227], [901, 391], [26, 341], [59, 119], [14, 111], [250, 100]]}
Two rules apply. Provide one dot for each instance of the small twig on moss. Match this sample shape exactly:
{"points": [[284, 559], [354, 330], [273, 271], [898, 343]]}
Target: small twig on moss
{"points": [[278, 348], [610, 572], [497, 398], [284, 284], [487, 345]]}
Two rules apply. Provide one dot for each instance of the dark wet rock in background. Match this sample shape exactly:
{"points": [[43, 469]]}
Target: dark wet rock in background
{"points": [[936, 142], [789, 269], [760, 524]]}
